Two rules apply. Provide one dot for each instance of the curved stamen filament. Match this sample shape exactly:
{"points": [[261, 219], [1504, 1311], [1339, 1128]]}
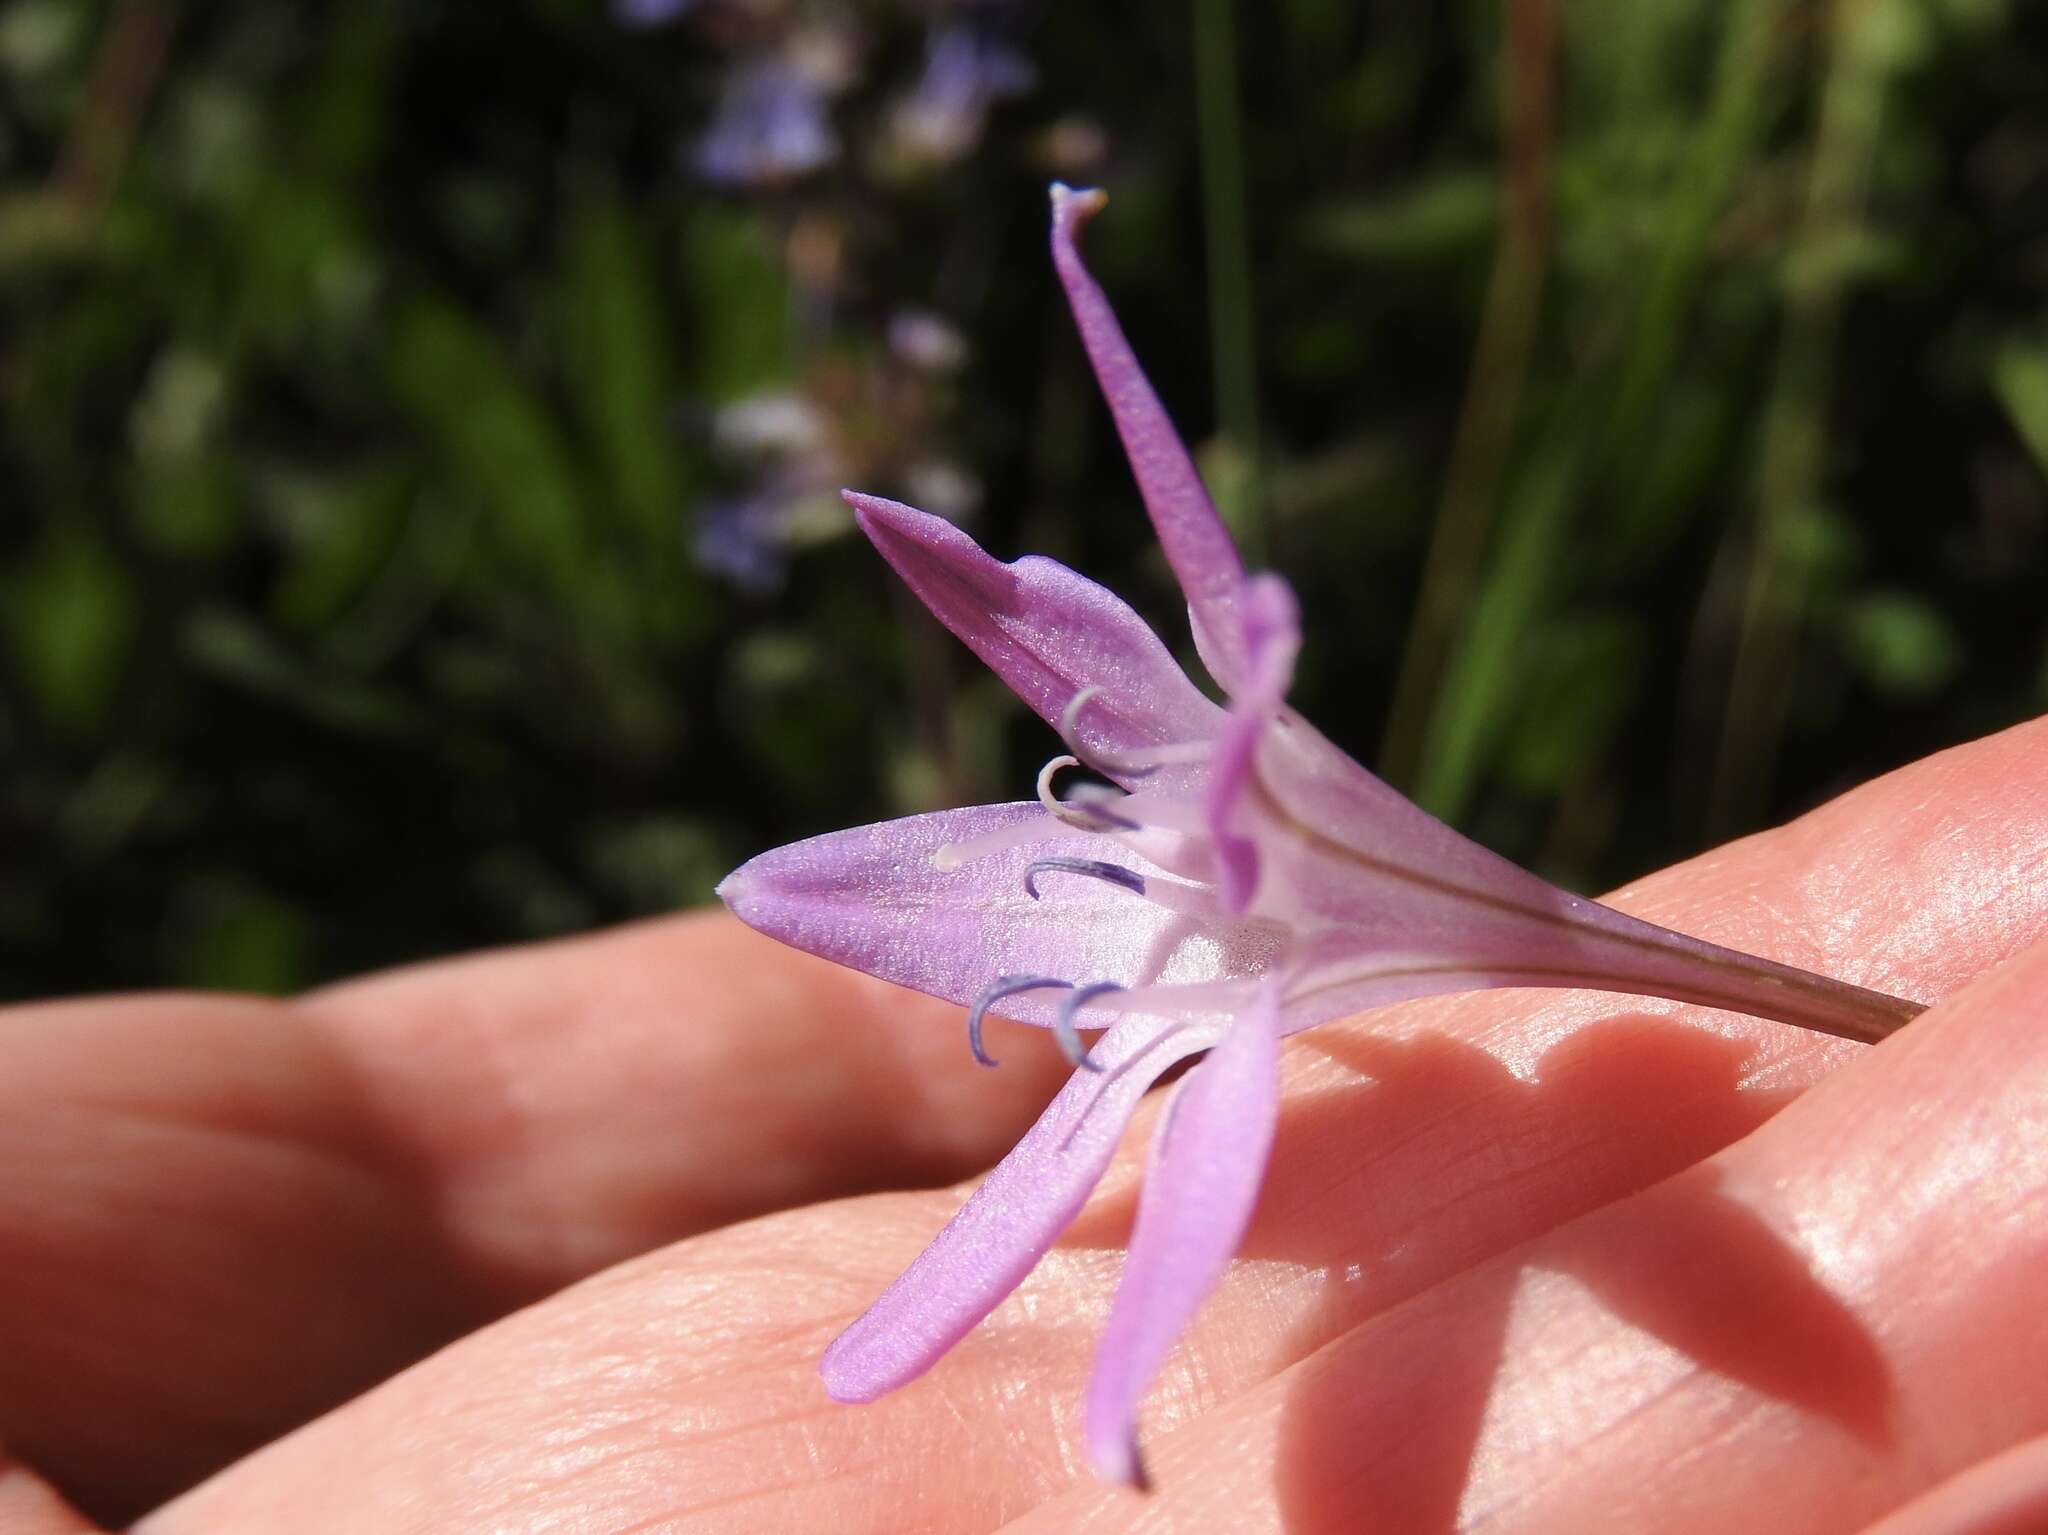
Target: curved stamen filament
{"points": [[1003, 986], [1064, 1028], [1121, 764], [1093, 868], [1083, 815]]}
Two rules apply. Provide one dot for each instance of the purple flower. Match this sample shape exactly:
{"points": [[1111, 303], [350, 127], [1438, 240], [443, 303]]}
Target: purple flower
{"points": [[650, 13], [1245, 880], [926, 342], [965, 75], [740, 538], [770, 126]]}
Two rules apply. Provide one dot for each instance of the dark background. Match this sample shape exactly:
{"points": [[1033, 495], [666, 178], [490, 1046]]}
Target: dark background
{"points": [[420, 422]]}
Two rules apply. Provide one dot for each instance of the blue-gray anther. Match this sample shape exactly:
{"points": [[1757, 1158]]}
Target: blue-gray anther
{"points": [[1003, 986], [1063, 1026], [1093, 868], [1098, 806]]}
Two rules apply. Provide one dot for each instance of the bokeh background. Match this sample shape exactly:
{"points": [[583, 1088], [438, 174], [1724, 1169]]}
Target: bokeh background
{"points": [[421, 419]]}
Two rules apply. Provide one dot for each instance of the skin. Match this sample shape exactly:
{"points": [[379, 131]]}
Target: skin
{"points": [[551, 1240]]}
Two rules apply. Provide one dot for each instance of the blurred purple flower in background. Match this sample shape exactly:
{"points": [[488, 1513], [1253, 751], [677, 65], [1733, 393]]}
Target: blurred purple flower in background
{"points": [[923, 340], [650, 13], [783, 444], [966, 72], [771, 125], [743, 539], [1245, 880]]}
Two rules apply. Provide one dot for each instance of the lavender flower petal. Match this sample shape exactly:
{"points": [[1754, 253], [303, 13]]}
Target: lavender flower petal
{"points": [[1197, 545], [1272, 638], [1044, 630], [873, 898], [1208, 1160], [1423, 910], [1002, 1231]]}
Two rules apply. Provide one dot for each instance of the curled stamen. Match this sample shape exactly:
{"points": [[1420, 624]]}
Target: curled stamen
{"points": [[1086, 815], [1106, 763], [1123, 764], [1063, 1027], [1003, 986], [1093, 868]]}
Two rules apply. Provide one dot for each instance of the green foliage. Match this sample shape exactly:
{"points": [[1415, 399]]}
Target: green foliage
{"points": [[362, 374], [71, 617], [497, 444]]}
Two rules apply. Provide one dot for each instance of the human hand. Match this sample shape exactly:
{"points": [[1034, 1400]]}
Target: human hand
{"points": [[1524, 1261]]}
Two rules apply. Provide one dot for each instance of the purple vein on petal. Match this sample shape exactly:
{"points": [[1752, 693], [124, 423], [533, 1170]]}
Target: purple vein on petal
{"points": [[1197, 545], [1208, 1160], [1007, 1224]]}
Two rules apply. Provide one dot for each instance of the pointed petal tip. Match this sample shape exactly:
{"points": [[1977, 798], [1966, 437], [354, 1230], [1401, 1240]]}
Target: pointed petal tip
{"points": [[1071, 205], [751, 899], [735, 887], [1118, 1461], [865, 505], [878, 516]]}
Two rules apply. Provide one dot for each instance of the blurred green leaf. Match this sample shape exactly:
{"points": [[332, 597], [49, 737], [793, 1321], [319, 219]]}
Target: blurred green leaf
{"points": [[1433, 218], [185, 494], [188, 506], [304, 264], [620, 373], [496, 438], [2019, 376], [115, 799], [741, 320], [1890, 35], [70, 612], [659, 863], [1487, 665], [347, 116], [37, 36], [229, 647], [345, 532], [536, 902], [1581, 677], [1901, 643], [226, 934]]}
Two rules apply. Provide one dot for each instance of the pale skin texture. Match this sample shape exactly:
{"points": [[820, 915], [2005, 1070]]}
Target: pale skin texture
{"points": [[1532, 1261]]}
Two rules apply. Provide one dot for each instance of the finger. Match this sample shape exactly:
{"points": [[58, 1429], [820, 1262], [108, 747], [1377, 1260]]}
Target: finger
{"points": [[687, 1382], [1799, 1334], [2005, 1495], [204, 1238], [230, 1214], [30, 1506], [578, 1102]]}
